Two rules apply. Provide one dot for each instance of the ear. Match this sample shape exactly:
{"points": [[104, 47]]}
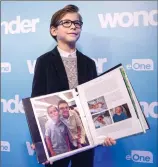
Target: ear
{"points": [[53, 31]]}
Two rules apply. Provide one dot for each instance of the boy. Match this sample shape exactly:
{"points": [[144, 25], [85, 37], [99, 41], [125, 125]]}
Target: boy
{"points": [[64, 68], [102, 121], [56, 133], [119, 114], [73, 122]]}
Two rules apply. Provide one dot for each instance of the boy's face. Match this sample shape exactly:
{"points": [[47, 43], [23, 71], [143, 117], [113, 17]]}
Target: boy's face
{"points": [[64, 110], [100, 105], [53, 113], [118, 110], [67, 34]]}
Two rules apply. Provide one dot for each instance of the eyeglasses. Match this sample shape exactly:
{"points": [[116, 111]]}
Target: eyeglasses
{"points": [[68, 23]]}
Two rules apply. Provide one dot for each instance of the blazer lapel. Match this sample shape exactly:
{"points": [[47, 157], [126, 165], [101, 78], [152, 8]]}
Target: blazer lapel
{"points": [[60, 69], [80, 68]]}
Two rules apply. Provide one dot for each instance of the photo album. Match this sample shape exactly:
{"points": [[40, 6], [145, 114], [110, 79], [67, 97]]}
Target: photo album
{"points": [[65, 123]]}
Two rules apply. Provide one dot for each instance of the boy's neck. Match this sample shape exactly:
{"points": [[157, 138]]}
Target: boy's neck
{"points": [[70, 48]]}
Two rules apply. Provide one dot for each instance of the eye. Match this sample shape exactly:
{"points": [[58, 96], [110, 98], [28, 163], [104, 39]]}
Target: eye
{"points": [[77, 22], [67, 22]]}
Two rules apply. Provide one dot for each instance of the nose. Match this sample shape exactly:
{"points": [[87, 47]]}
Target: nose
{"points": [[73, 26]]}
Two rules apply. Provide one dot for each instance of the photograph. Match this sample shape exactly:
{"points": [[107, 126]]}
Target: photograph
{"points": [[97, 105], [101, 120], [120, 113], [60, 123]]}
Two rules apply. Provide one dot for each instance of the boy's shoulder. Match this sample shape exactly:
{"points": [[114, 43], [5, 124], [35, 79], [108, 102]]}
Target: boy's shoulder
{"points": [[49, 124], [48, 56], [45, 56]]}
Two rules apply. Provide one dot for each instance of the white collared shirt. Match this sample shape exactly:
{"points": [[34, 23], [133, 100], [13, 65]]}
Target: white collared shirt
{"points": [[66, 54]]}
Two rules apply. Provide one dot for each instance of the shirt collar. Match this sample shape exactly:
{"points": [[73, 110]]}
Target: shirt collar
{"points": [[70, 113], [66, 54]]}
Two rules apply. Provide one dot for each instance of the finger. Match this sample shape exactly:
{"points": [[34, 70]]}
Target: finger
{"points": [[107, 142], [47, 162], [112, 141], [51, 162], [33, 146]]}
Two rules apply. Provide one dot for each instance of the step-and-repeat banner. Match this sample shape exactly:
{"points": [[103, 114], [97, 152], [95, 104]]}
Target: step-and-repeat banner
{"points": [[113, 33]]}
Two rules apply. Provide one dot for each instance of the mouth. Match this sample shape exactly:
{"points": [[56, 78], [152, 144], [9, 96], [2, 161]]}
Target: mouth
{"points": [[74, 34], [66, 112]]}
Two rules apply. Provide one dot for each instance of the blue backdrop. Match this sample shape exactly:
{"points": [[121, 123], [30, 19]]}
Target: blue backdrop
{"points": [[113, 32]]}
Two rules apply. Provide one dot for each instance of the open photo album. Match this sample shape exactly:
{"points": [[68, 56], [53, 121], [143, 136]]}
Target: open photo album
{"points": [[68, 122]]}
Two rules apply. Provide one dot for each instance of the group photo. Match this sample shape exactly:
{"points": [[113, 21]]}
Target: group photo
{"points": [[60, 123]]}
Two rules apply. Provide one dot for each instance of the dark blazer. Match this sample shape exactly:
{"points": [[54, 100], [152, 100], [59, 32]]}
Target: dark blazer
{"points": [[50, 75]]}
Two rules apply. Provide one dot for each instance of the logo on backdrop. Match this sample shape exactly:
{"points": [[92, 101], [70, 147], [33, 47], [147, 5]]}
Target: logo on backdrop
{"points": [[99, 64], [5, 67], [12, 105], [141, 65], [150, 109], [18, 25], [140, 156], [129, 19], [29, 149], [5, 146], [31, 66]]}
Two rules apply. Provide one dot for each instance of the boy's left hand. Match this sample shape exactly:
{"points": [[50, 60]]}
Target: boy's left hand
{"points": [[109, 141]]}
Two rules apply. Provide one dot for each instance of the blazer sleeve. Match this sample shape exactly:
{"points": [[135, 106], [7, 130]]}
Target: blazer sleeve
{"points": [[94, 69], [39, 79]]}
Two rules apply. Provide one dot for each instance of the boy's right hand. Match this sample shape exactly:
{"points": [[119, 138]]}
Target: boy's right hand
{"points": [[47, 162], [33, 146]]}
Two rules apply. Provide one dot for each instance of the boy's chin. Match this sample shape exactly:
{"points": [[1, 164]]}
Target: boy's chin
{"points": [[71, 41]]}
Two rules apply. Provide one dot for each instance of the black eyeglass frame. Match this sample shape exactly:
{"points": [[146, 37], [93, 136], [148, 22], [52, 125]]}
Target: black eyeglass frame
{"points": [[74, 22]]}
